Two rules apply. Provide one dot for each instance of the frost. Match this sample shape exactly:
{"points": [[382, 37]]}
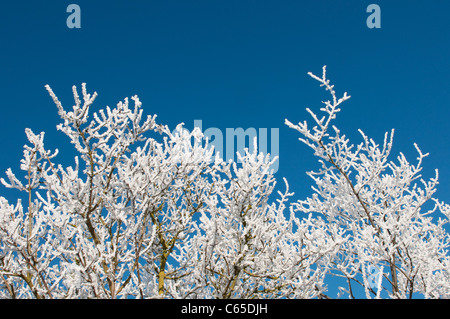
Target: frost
{"points": [[145, 212], [382, 205]]}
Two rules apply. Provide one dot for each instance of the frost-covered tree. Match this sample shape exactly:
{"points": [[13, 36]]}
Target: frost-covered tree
{"points": [[252, 248], [384, 209], [145, 212]]}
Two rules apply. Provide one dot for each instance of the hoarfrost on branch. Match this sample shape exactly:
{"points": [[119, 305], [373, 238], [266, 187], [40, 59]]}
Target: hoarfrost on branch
{"points": [[146, 212]]}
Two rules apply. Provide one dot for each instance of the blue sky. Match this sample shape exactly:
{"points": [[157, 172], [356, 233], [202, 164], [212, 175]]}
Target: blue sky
{"points": [[234, 63]]}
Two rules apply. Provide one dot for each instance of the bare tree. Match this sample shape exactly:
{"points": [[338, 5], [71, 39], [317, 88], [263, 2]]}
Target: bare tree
{"points": [[146, 212], [380, 207]]}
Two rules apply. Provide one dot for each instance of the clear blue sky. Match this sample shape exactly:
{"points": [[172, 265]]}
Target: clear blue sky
{"points": [[234, 63]]}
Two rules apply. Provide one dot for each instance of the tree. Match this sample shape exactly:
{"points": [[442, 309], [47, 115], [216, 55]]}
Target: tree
{"points": [[146, 212], [249, 247], [147, 216], [384, 209]]}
